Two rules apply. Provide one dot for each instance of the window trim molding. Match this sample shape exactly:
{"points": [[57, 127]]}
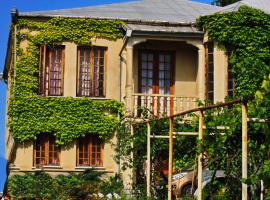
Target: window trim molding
{"points": [[44, 49], [91, 48], [47, 154], [89, 153], [229, 68], [206, 47]]}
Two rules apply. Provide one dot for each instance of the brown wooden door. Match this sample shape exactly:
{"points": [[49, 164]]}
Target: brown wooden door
{"points": [[156, 75]]}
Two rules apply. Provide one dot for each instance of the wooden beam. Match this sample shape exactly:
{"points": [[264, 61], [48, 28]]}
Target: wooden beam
{"points": [[185, 133], [160, 136], [200, 158], [148, 173], [175, 134], [258, 120], [244, 150], [170, 160]]}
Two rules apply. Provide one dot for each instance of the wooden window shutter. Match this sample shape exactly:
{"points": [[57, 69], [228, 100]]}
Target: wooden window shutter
{"points": [[42, 68]]}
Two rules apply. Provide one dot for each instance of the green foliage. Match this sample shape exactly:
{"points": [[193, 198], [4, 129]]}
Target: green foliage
{"points": [[66, 117], [246, 33], [75, 30], [86, 185], [136, 144]]}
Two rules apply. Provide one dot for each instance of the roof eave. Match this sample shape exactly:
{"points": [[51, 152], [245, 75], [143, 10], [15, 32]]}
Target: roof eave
{"points": [[8, 56], [28, 15], [175, 35]]}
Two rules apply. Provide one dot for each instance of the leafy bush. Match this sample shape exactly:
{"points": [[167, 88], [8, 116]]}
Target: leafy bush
{"points": [[87, 185]]}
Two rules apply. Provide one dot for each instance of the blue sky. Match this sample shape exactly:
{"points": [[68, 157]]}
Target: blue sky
{"points": [[29, 5]]}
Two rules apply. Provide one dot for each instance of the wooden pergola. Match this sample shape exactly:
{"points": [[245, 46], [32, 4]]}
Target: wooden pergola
{"points": [[171, 135]]}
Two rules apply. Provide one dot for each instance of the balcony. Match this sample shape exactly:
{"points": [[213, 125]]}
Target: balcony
{"points": [[160, 105]]}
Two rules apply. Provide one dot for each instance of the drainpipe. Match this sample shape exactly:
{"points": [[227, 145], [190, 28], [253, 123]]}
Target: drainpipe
{"points": [[126, 37]]}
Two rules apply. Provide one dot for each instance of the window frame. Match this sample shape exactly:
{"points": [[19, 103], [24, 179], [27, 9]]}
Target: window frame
{"points": [[79, 92], [44, 67], [230, 91], [88, 141], [208, 72], [45, 140]]}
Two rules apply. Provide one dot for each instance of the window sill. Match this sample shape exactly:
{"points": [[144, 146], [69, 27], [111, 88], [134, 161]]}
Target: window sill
{"points": [[47, 167], [89, 167], [14, 168], [94, 98]]}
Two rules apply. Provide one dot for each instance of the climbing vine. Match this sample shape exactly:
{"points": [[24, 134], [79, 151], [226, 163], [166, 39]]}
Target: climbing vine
{"points": [[245, 34], [67, 118]]}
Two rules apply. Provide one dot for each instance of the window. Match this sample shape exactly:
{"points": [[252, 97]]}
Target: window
{"points": [[209, 71], [156, 76], [45, 151], [51, 70], [91, 71], [155, 72], [231, 81], [89, 151]]}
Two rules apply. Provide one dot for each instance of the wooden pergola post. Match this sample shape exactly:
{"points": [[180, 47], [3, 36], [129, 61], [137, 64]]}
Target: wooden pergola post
{"points": [[170, 160], [244, 150], [148, 172], [200, 158]]}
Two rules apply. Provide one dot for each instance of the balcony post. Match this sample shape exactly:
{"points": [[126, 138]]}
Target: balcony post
{"points": [[201, 62], [129, 80]]}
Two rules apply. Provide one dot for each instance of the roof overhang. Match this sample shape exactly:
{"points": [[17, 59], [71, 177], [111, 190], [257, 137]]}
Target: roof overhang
{"points": [[168, 31], [8, 57]]}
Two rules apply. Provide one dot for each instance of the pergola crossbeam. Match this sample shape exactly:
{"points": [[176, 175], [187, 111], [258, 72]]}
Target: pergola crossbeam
{"points": [[172, 135]]}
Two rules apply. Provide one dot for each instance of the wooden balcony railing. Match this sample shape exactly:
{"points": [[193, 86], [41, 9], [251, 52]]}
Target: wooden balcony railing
{"points": [[160, 104]]}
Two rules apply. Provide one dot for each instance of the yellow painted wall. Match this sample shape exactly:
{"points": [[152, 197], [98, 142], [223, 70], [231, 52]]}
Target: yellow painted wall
{"points": [[23, 159], [187, 82], [220, 74], [186, 73]]}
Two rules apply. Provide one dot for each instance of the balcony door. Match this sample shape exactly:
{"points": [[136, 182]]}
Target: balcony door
{"points": [[156, 76]]}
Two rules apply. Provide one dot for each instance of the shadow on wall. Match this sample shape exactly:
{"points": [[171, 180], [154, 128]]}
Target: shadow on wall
{"points": [[2, 173]]}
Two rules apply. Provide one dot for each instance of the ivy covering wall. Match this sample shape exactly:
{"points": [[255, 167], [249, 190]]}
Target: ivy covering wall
{"points": [[67, 118], [246, 35]]}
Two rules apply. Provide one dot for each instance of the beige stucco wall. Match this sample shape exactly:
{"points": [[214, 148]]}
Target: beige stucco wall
{"points": [[23, 157], [186, 65], [186, 73], [189, 82], [220, 74]]}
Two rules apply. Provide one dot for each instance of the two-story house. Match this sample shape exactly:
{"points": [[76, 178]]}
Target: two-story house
{"points": [[162, 62]]}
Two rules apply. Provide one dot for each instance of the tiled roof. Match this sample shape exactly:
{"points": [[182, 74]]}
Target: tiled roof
{"points": [[168, 11], [263, 5]]}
